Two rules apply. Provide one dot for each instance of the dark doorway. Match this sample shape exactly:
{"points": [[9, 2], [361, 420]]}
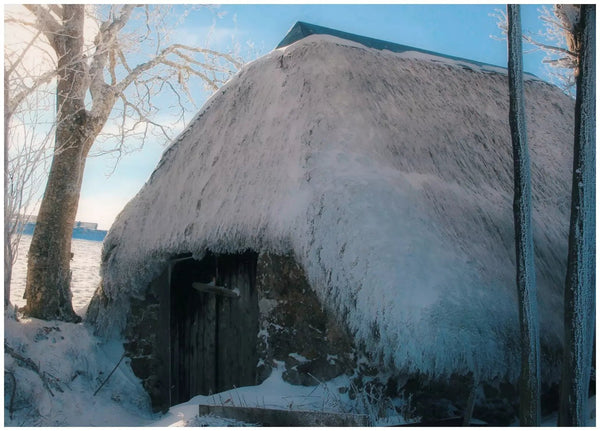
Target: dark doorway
{"points": [[214, 324]]}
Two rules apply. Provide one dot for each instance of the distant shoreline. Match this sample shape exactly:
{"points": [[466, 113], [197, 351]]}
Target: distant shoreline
{"points": [[78, 233]]}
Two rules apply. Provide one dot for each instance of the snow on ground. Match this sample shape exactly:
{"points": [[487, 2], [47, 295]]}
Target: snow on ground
{"points": [[75, 360], [75, 364], [273, 393]]}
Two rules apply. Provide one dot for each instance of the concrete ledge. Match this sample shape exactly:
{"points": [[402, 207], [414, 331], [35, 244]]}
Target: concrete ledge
{"points": [[285, 418]]}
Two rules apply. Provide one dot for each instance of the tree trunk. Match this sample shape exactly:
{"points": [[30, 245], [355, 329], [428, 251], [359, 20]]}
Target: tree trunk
{"points": [[529, 410], [47, 290], [580, 296]]}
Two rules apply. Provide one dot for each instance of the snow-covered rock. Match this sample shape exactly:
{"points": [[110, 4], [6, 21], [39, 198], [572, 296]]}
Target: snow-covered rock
{"points": [[388, 177]]}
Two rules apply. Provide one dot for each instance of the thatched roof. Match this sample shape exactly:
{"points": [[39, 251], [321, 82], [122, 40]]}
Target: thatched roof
{"points": [[389, 176]]}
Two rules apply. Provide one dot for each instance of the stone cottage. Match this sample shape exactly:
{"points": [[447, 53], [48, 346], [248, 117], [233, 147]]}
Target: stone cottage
{"points": [[342, 205]]}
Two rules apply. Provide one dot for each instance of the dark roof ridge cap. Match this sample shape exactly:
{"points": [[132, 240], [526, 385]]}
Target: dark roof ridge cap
{"points": [[302, 29]]}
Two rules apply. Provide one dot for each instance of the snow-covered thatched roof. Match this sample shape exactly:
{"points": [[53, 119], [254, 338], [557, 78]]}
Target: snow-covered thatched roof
{"points": [[388, 176]]}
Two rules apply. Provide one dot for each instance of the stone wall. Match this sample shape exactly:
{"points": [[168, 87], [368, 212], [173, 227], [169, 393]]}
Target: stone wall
{"points": [[295, 328], [146, 335]]}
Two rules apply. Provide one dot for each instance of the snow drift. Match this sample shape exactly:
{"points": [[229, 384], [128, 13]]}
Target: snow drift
{"points": [[389, 177]]}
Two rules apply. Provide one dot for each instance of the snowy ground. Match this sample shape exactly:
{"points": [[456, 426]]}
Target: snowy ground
{"points": [[75, 365]]}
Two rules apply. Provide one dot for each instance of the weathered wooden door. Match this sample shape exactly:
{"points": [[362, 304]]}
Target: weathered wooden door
{"points": [[213, 331]]}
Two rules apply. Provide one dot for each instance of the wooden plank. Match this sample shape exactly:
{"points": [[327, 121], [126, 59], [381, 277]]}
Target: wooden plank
{"points": [[186, 354], [250, 326], [232, 349], [209, 338], [174, 362], [456, 421], [246, 360], [176, 343], [194, 346], [285, 418], [217, 290], [223, 369]]}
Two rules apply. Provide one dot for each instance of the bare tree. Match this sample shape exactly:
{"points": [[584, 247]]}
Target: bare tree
{"points": [[92, 87], [27, 152], [529, 411], [26, 138], [580, 290]]}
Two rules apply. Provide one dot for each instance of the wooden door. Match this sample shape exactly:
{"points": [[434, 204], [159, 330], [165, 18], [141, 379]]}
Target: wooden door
{"points": [[213, 336]]}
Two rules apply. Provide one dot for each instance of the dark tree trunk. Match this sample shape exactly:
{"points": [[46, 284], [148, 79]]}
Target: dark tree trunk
{"points": [[529, 410], [580, 296], [47, 290]]}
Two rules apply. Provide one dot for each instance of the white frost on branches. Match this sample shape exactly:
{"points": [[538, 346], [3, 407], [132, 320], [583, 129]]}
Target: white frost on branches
{"points": [[555, 40]]}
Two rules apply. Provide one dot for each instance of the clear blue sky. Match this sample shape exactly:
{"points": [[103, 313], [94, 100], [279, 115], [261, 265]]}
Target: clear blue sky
{"points": [[458, 30]]}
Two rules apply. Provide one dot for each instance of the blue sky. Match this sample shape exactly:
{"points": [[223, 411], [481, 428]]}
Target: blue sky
{"points": [[458, 30]]}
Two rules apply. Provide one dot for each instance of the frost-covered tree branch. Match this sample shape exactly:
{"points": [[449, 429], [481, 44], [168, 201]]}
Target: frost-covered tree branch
{"points": [[556, 40], [28, 131], [130, 89], [28, 142], [47, 23]]}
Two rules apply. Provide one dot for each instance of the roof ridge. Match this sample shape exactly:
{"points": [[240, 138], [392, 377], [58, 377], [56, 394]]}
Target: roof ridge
{"points": [[302, 29]]}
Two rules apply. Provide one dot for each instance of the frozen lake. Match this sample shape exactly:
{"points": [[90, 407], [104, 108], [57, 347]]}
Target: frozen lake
{"points": [[85, 266]]}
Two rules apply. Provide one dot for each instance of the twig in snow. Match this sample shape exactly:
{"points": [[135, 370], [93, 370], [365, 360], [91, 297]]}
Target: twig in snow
{"points": [[53, 380], [28, 363], [111, 373]]}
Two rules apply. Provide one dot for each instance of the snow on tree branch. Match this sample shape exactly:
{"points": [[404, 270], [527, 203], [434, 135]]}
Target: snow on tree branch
{"points": [[48, 24], [112, 68], [104, 48], [556, 40]]}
